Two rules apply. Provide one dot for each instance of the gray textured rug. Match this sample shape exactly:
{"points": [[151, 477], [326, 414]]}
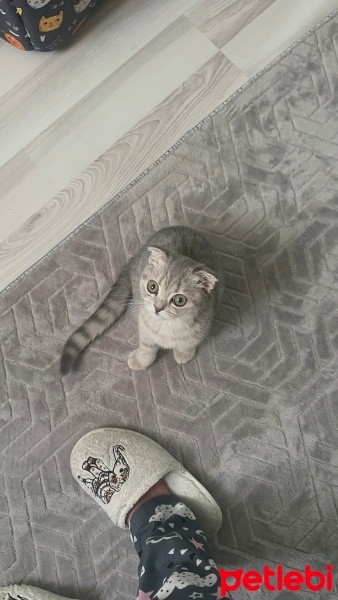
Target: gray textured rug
{"points": [[255, 414]]}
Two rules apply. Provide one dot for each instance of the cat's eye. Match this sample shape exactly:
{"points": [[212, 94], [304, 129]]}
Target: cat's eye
{"points": [[152, 287], [179, 300]]}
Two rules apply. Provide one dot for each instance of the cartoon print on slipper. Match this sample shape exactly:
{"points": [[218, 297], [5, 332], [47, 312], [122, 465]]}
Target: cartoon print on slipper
{"points": [[163, 512], [105, 482]]}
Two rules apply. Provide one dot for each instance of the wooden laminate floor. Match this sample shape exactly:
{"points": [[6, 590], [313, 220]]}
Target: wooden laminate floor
{"points": [[78, 125]]}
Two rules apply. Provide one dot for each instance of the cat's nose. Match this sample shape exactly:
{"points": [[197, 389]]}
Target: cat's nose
{"points": [[158, 309]]}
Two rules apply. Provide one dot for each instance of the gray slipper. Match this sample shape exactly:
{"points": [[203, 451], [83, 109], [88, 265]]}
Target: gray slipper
{"points": [[116, 467], [27, 592]]}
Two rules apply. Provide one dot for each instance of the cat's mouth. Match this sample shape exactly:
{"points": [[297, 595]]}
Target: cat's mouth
{"points": [[160, 315]]}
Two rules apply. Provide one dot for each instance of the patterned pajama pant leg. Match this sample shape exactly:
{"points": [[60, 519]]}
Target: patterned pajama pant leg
{"points": [[175, 560]]}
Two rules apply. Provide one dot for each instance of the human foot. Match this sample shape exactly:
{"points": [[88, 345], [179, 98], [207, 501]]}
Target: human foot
{"points": [[159, 489], [119, 468]]}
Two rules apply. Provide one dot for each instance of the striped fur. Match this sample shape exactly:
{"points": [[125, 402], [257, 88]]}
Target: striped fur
{"points": [[111, 309]]}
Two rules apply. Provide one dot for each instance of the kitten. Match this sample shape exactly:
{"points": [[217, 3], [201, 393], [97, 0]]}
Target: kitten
{"points": [[172, 283]]}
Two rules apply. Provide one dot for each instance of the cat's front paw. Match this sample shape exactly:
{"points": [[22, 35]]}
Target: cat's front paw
{"points": [[183, 356], [135, 363]]}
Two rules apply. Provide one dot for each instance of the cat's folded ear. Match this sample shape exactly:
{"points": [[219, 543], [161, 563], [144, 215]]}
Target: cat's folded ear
{"points": [[157, 256], [205, 279]]}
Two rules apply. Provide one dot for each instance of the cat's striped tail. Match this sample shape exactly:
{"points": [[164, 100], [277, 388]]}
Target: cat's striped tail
{"points": [[111, 309]]}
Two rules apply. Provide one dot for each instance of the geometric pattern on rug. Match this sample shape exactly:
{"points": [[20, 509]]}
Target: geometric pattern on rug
{"points": [[255, 414]]}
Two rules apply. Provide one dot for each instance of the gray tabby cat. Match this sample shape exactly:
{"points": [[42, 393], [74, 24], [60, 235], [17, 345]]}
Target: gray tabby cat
{"points": [[172, 283]]}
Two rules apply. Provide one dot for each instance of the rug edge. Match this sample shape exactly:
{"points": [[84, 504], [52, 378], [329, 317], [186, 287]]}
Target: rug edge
{"points": [[172, 149]]}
